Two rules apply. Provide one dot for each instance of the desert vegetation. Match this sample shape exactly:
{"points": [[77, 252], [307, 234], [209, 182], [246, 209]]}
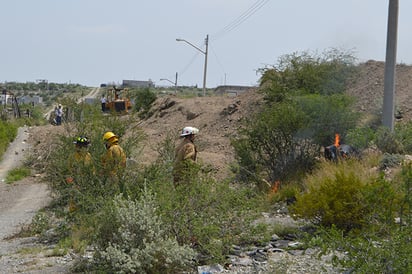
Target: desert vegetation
{"points": [[139, 222]]}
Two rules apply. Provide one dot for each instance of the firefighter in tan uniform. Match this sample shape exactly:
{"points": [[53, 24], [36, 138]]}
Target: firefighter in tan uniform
{"points": [[115, 159], [185, 154]]}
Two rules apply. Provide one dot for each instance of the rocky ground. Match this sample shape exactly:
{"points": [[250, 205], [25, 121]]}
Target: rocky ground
{"points": [[218, 119]]}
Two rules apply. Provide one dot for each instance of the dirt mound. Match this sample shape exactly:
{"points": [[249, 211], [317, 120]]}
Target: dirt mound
{"points": [[218, 119], [368, 88]]}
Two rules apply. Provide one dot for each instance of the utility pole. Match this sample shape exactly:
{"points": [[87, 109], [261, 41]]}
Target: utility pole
{"points": [[176, 84], [390, 66], [205, 52], [205, 68]]}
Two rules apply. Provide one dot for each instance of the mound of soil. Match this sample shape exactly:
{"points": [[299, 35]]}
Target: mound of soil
{"points": [[368, 89], [218, 119]]}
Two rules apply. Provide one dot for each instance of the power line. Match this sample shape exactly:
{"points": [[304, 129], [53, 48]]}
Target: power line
{"points": [[185, 68], [240, 19], [190, 63], [218, 61]]}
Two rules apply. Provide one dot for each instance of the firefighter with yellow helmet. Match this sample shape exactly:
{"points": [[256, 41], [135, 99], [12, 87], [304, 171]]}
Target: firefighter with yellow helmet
{"points": [[185, 154], [115, 158]]}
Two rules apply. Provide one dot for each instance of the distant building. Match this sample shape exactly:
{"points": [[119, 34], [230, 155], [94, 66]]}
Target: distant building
{"points": [[231, 90], [91, 100], [27, 99], [137, 84], [6, 99]]}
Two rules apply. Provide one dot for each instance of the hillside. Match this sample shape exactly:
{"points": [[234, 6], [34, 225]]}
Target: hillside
{"points": [[368, 88], [218, 117]]}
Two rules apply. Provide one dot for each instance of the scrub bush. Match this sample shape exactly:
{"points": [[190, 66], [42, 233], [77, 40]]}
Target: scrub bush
{"points": [[348, 202], [139, 243], [8, 132]]}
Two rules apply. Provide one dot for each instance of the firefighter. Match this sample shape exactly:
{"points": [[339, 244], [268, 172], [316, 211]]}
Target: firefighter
{"points": [[81, 157], [79, 162], [115, 158], [185, 154]]}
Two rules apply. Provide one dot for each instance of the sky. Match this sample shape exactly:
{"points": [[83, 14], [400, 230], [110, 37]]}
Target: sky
{"points": [[90, 42]]}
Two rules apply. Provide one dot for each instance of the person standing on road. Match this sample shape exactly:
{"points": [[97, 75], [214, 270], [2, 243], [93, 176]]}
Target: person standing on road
{"points": [[59, 114], [103, 101], [185, 155], [114, 160]]}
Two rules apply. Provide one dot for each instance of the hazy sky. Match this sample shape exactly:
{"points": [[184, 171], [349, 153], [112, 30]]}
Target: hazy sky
{"points": [[99, 41]]}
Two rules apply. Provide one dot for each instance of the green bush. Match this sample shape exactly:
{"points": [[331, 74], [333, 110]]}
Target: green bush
{"points": [[327, 115], [386, 248], [305, 108], [139, 241], [337, 201], [347, 202], [360, 138], [274, 142], [386, 141], [403, 133], [390, 161], [17, 174], [8, 132], [143, 99], [307, 73]]}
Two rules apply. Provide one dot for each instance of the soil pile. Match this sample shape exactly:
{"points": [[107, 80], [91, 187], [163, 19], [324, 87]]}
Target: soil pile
{"points": [[368, 89], [218, 119]]}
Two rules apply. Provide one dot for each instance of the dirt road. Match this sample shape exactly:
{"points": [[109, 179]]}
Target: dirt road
{"points": [[18, 201]]}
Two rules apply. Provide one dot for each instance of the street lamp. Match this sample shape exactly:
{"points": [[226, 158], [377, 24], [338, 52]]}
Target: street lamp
{"points": [[205, 53], [174, 83]]}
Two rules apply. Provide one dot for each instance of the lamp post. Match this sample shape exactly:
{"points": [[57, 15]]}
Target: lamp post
{"points": [[174, 83], [205, 53]]}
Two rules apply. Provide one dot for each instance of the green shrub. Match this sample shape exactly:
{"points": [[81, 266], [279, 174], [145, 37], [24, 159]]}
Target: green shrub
{"points": [[360, 138], [327, 115], [40, 223], [337, 201], [274, 142], [390, 161], [403, 133], [8, 132], [386, 141], [347, 202], [139, 241], [307, 73], [371, 253], [143, 99], [386, 248], [305, 108], [17, 174]]}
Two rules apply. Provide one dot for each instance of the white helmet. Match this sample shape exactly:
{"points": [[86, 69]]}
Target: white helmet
{"points": [[188, 131]]}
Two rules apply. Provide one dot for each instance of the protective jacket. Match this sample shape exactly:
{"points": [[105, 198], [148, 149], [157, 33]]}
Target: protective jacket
{"points": [[185, 156], [114, 159]]}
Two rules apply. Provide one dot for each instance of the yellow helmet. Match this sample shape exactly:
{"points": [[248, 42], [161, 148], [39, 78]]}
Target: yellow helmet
{"points": [[110, 137]]}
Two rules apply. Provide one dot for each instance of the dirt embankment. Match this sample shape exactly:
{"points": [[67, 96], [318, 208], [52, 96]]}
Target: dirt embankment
{"points": [[368, 89], [218, 119]]}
